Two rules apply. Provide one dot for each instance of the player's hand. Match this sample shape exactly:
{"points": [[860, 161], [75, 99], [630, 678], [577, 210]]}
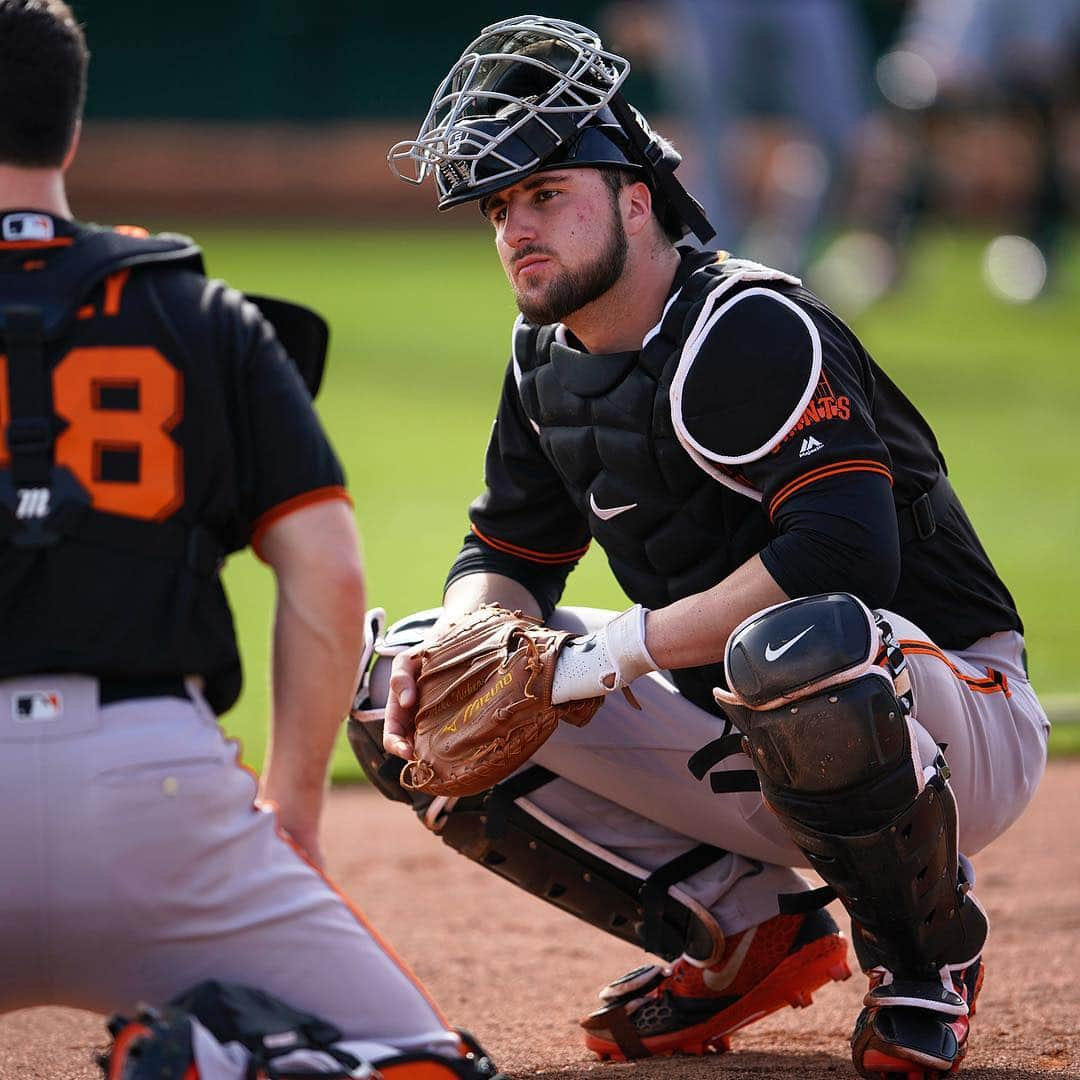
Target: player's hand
{"points": [[400, 722]]}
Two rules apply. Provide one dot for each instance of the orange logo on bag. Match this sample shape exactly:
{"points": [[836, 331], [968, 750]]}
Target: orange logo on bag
{"points": [[477, 704]]}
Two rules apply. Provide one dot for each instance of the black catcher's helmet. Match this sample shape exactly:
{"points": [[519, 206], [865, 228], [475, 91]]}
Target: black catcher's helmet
{"points": [[532, 93]]}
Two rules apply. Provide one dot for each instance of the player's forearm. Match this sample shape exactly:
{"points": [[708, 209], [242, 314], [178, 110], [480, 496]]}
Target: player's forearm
{"points": [[468, 593], [693, 631], [317, 642]]}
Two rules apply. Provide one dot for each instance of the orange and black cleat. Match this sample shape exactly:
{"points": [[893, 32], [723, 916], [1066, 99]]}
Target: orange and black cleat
{"points": [[689, 1009], [901, 1042]]}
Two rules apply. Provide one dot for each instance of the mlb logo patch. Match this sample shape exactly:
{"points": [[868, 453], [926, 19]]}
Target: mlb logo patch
{"points": [[28, 227], [35, 706]]}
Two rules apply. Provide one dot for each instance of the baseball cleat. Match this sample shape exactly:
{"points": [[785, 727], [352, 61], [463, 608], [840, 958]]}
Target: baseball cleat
{"points": [[690, 1009], [901, 1042]]}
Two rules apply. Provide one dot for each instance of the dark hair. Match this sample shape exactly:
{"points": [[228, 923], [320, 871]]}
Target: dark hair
{"points": [[616, 179], [43, 61]]}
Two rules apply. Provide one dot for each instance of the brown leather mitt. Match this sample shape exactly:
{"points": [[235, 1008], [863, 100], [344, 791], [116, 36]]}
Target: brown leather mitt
{"points": [[484, 701]]}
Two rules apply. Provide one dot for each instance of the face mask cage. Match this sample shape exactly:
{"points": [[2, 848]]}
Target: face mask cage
{"points": [[530, 82]]}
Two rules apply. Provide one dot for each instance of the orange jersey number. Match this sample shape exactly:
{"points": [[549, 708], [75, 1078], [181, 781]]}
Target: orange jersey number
{"points": [[135, 427]]}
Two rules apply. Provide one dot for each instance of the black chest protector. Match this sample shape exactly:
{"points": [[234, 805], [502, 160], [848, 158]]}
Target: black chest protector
{"points": [[604, 421], [40, 502], [82, 589]]}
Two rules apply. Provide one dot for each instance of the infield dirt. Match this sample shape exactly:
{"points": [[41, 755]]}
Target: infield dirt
{"points": [[518, 973]]}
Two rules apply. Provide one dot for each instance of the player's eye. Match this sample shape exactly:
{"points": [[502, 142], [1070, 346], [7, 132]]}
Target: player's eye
{"points": [[546, 194], [497, 214]]}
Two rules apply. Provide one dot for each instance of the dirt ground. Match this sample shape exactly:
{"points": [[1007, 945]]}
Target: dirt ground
{"points": [[518, 973]]}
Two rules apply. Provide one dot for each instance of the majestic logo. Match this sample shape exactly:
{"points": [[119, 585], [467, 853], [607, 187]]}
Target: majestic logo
{"points": [[810, 445], [33, 503], [37, 705], [606, 514], [28, 227], [772, 654], [478, 703]]}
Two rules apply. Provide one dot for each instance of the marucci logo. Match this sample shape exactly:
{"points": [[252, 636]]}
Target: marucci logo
{"points": [[606, 514]]}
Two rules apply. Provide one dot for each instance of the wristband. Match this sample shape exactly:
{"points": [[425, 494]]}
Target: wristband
{"points": [[606, 660]]}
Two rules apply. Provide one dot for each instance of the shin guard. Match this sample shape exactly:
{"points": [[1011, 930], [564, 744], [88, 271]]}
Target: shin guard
{"points": [[829, 732]]}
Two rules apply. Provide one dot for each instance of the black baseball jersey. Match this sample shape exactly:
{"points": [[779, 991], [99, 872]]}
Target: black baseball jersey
{"points": [[751, 421], [150, 424]]}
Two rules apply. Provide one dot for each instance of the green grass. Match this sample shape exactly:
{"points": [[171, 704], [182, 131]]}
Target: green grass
{"points": [[420, 322]]}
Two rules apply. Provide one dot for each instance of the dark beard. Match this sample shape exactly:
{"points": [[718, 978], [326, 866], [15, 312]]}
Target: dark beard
{"points": [[572, 290]]}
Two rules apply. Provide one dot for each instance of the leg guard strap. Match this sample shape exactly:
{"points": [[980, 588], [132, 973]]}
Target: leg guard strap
{"points": [[508, 834]]}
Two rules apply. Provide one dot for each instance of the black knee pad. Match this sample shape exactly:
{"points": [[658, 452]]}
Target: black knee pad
{"points": [[818, 714], [822, 696]]}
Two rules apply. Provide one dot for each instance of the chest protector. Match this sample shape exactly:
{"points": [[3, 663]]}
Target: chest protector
{"points": [[668, 527], [86, 587]]}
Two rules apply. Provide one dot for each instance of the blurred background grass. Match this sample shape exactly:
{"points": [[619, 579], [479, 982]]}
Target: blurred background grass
{"points": [[420, 333]]}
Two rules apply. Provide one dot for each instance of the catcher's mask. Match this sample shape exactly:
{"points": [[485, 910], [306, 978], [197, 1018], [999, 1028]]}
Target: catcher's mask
{"points": [[532, 93]]}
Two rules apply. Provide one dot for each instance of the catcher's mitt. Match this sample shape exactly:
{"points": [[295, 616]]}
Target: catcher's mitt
{"points": [[484, 701]]}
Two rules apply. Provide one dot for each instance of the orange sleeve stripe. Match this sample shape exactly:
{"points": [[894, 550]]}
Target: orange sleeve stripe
{"points": [[823, 473], [114, 289], [545, 558], [996, 682], [16, 245], [290, 506]]}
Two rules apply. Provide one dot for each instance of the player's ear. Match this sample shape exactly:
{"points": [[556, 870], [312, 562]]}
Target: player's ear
{"points": [[635, 201]]}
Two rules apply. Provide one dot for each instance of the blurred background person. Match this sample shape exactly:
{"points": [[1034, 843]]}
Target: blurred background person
{"points": [[771, 94], [977, 97]]}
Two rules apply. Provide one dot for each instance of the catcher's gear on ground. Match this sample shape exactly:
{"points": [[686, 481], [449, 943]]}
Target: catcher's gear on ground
{"points": [[484, 701], [690, 1008], [259, 1037], [913, 1044]]}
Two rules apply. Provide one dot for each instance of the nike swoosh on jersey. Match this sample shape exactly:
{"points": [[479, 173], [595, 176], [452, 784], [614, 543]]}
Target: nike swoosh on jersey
{"points": [[772, 654], [607, 514]]}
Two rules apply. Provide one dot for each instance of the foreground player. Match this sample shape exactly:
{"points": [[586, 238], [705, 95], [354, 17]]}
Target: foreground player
{"points": [[151, 423], [732, 446]]}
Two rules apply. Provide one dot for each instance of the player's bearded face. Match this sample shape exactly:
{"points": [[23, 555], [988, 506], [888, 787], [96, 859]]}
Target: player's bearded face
{"points": [[567, 287]]}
